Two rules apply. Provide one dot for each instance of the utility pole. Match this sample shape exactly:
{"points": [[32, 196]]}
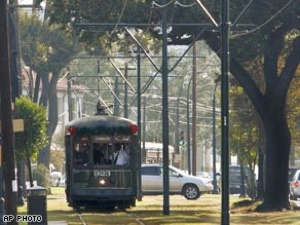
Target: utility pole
{"points": [[126, 92], [69, 91], [142, 152], [16, 78], [225, 25], [165, 115], [194, 113], [6, 116]]}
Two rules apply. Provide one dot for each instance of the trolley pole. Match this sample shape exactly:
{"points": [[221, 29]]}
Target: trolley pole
{"points": [[225, 25]]}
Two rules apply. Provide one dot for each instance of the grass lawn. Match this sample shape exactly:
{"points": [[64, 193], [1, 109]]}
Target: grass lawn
{"points": [[205, 211]]}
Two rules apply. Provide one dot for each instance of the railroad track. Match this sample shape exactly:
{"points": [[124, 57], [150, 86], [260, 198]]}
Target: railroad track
{"points": [[88, 217], [79, 213]]}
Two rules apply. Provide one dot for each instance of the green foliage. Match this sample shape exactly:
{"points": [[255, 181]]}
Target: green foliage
{"points": [[244, 126], [29, 142], [43, 46], [41, 176], [244, 133], [57, 158], [293, 110]]}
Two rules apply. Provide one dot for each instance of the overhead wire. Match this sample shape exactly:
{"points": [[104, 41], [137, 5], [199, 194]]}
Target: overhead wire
{"points": [[184, 6], [162, 6], [120, 17], [266, 22]]}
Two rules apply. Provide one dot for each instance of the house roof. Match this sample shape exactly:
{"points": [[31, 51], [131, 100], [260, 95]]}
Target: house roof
{"points": [[62, 83]]}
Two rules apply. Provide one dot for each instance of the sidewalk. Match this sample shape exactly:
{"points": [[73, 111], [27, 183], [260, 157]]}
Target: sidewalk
{"points": [[57, 223]]}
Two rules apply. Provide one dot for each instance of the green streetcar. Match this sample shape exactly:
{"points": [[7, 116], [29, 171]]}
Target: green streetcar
{"points": [[102, 162]]}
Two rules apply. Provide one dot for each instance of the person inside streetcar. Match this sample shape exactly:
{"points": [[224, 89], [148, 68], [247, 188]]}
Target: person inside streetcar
{"points": [[122, 156]]}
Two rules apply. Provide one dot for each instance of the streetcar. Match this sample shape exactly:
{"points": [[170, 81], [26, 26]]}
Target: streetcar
{"points": [[102, 162]]}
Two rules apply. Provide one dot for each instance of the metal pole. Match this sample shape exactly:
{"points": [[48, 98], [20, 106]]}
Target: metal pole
{"points": [[139, 95], [177, 121], [116, 97], [1, 187], [6, 116], [70, 103], [165, 116], [144, 127], [126, 92], [225, 220], [194, 114], [139, 121], [215, 190], [188, 126]]}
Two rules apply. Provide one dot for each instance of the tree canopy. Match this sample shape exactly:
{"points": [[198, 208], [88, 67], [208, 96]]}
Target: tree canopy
{"points": [[47, 51], [264, 47], [29, 143]]}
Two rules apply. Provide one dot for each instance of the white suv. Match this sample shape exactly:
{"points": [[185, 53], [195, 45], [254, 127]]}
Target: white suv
{"points": [[295, 186], [190, 187]]}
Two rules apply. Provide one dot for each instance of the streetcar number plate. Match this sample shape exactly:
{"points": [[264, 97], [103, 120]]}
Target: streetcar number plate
{"points": [[103, 173]]}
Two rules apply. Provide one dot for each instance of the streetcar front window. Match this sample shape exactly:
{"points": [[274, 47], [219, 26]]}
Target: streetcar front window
{"points": [[81, 153], [108, 153], [101, 154]]}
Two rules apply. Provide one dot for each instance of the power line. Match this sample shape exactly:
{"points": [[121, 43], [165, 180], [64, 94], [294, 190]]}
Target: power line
{"points": [[266, 22], [120, 17]]}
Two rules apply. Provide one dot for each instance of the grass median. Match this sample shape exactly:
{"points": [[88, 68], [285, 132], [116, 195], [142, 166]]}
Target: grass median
{"points": [[205, 211]]}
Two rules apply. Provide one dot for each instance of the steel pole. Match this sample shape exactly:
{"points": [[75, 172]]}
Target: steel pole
{"points": [[194, 114], [188, 127], [215, 190], [142, 152], [165, 115], [7, 145], [225, 218], [126, 92]]}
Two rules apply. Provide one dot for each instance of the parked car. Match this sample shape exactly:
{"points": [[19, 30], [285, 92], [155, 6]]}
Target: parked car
{"points": [[205, 175], [191, 187], [63, 181], [55, 177], [292, 171], [210, 176], [295, 186], [235, 179]]}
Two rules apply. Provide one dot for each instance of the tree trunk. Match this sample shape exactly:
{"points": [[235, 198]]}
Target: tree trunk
{"points": [[276, 164], [44, 156], [260, 181], [28, 163]]}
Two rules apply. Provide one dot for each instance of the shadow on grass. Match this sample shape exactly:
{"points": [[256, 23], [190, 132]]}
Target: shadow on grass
{"points": [[187, 216]]}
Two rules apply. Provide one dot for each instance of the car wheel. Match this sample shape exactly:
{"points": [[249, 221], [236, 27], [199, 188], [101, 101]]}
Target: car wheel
{"points": [[191, 192]]}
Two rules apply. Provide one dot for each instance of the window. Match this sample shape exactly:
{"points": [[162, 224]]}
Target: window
{"points": [[173, 173], [150, 171]]}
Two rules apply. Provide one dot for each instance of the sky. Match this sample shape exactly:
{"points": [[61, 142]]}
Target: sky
{"points": [[28, 2]]}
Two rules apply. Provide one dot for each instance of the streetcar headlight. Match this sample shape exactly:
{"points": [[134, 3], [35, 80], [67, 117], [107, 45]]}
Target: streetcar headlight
{"points": [[102, 182]]}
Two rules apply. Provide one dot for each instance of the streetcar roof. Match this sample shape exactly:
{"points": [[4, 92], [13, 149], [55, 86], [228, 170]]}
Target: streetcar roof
{"points": [[103, 125]]}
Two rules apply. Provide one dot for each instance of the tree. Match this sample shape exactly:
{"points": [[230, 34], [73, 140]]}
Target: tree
{"points": [[47, 51], [244, 134], [29, 143], [273, 41]]}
